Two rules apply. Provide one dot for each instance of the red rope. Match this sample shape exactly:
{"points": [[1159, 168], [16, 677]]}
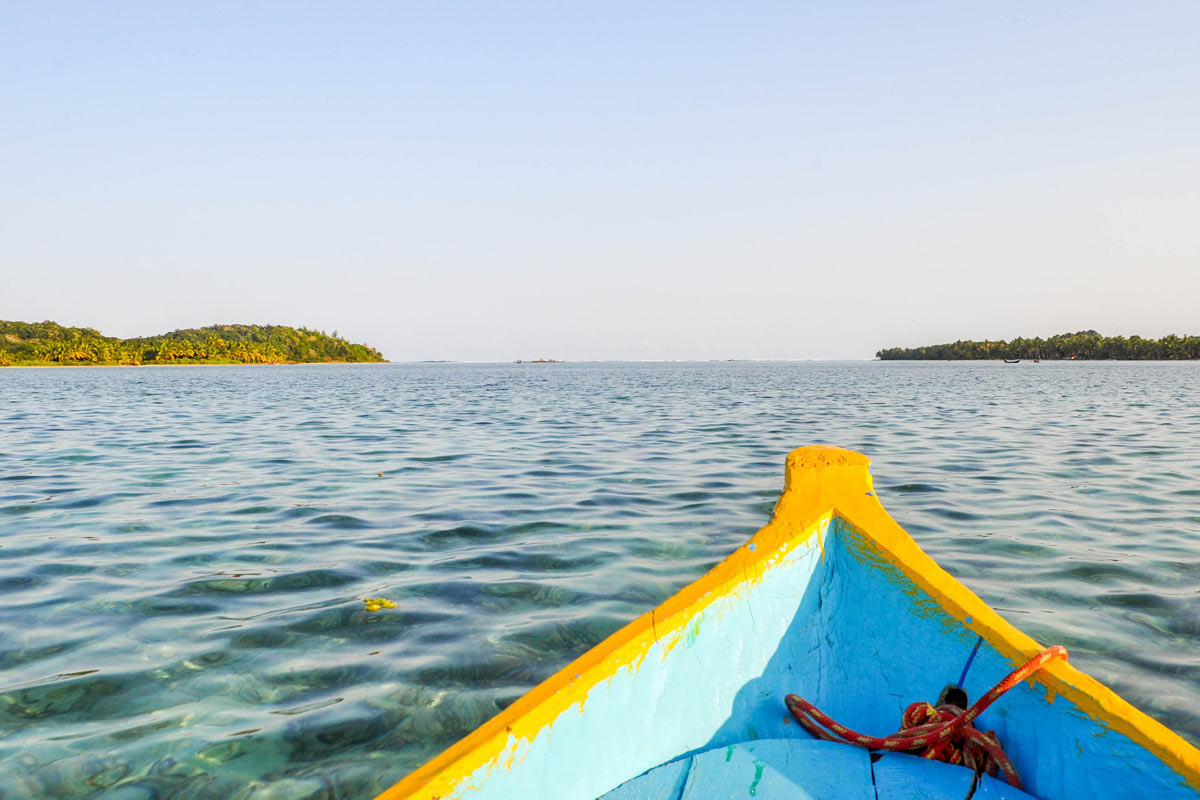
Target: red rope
{"points": [[944, 733]]}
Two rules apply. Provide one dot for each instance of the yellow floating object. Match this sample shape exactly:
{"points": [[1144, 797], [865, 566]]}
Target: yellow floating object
{"points": [[376, 603]]}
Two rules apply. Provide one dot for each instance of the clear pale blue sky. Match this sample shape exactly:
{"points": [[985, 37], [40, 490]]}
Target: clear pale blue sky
{"points": [[604, 180]]}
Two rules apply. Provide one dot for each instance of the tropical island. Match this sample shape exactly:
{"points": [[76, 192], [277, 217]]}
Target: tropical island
{"points": [[1084, 345], [51, 344]]}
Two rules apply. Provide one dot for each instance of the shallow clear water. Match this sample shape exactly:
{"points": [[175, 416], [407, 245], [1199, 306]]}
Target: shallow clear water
{"points": [[184, 551]]}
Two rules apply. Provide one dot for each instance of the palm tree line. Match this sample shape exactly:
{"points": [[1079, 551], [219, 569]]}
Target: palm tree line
{"points": [[24, 343], [1086, 345]]}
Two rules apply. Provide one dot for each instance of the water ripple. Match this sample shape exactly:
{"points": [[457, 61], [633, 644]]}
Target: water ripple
{"points": [[182, 574]]}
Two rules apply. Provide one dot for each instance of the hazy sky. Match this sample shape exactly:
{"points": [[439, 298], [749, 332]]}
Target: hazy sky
{"points": [[604, 180]]}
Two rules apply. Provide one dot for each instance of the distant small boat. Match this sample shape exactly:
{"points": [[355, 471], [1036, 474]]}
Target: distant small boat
{"points": [[1012, 361], [834, 603]]}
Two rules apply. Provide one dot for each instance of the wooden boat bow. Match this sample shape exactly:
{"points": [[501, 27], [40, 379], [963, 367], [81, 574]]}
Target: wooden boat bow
{"points": [[828, 501]]}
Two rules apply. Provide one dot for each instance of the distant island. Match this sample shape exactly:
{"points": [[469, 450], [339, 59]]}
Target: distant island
{"points": [[51, 344], [1084, 345]]}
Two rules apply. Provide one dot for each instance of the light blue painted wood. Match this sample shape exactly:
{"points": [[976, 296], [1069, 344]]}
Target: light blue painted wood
{"points": [[853, 636], [781, 769], [903, 777], [798, 769], [661, 783], [768, 769]]}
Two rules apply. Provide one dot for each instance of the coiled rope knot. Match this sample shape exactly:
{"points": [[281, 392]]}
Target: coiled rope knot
{"points": [[943, 732]]}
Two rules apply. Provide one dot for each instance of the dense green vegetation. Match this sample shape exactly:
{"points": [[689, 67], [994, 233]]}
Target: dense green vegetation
{"points": [[1081, 345], [47, 343]]}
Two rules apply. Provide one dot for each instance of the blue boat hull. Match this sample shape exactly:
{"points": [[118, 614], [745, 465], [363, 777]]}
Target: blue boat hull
{"points": [[834, 602]]}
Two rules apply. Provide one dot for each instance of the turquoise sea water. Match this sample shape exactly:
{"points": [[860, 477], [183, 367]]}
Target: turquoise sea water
{"points": [[184, 551]]}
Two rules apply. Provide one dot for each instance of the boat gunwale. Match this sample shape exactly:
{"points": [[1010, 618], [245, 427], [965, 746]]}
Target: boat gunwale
{"points": [[821, 483]]}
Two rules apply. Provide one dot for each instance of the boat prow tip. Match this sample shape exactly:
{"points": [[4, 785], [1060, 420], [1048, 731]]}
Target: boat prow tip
{"points": [[813, 465]]}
